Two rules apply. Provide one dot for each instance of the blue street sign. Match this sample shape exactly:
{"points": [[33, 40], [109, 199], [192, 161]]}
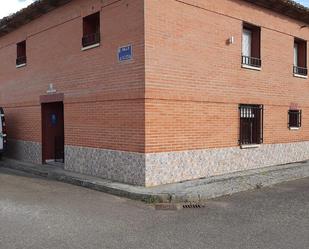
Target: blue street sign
{"points": [[125, 53]]}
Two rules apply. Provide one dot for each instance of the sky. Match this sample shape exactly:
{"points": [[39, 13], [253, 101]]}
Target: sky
{"points": [[304, 2], [8, 7]]}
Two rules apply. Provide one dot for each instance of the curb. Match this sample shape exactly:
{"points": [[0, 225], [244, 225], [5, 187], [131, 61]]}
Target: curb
{"points": [[195, 191], [106, 186]]}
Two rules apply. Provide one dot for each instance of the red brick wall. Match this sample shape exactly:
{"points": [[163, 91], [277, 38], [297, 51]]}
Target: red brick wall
{"points": [[103, 99], [181, 125], [180, 92], [24, 123], [194, 80], [109, 124]]}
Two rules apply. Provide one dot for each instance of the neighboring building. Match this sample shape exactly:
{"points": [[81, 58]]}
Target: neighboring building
{"points": [[150, 92]]}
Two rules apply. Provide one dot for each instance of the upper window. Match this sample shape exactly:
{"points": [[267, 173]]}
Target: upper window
{"points": [[251, 55], [91, 30], [251, 124], [294, 119], [300, 58], [21, 58]]}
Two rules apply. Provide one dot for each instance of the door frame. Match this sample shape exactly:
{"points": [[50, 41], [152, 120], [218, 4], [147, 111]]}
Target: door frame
{"points": [[49, 99]]}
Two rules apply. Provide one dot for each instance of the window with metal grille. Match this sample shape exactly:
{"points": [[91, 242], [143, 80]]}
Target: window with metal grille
{"points": [[294, 118], [21, 54], [300, 57], [251, 124], [91, 30], [251, 45]]}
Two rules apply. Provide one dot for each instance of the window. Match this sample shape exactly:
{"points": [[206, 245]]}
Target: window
{"points": [[251, 124], [294, 119], [91, 30], [21, 59], [251, 56], [300, 58]]}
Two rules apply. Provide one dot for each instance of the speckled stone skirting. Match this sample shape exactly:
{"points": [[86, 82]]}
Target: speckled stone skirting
{"points": [[127, 167], [162, 168], [25, 151], [153, 169]]}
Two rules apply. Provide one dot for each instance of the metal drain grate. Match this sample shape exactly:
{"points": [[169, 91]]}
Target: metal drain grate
{"points": [[175, 206], [191, 205]]}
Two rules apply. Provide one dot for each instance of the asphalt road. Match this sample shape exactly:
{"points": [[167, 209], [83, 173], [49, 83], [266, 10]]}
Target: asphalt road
{"points": [[39, 214]]}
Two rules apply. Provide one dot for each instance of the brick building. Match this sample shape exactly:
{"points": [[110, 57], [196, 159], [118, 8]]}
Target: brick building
{"points": [[150, 92]]}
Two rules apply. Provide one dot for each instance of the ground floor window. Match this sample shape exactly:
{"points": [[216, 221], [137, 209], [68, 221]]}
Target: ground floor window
{"points": [[294, 118], [251, 124]]}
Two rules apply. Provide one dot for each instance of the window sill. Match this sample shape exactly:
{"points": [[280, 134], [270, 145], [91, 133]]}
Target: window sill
{"points": [[21, 65], [251, 67], [90, 47], [300, 76], [250, 146], [294, 128]]}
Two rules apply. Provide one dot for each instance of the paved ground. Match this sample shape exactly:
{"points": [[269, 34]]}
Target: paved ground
{"points": [[39, 214]]}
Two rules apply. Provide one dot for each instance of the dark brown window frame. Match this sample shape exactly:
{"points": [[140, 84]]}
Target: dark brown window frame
{"points": [[21, 53], [300, 68], [254, 60], [295, 118], [250, 124], [91, 30]]}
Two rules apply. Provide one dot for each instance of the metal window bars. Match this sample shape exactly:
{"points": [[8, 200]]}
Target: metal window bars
{"points": [[300, 70], [91, 39], [251, 124], [251, 61], [21, 60]]}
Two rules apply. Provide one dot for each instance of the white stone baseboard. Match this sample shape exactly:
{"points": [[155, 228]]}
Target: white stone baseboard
{"points": [[169, 167], [26, 151], [154, 169], [121, 166]]}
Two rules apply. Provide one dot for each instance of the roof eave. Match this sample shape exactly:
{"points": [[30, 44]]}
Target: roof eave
{"points": [[28, 14], [285, 7]]}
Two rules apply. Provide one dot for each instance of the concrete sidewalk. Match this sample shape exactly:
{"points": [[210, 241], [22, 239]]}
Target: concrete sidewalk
{"points": [[195, 191]]}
